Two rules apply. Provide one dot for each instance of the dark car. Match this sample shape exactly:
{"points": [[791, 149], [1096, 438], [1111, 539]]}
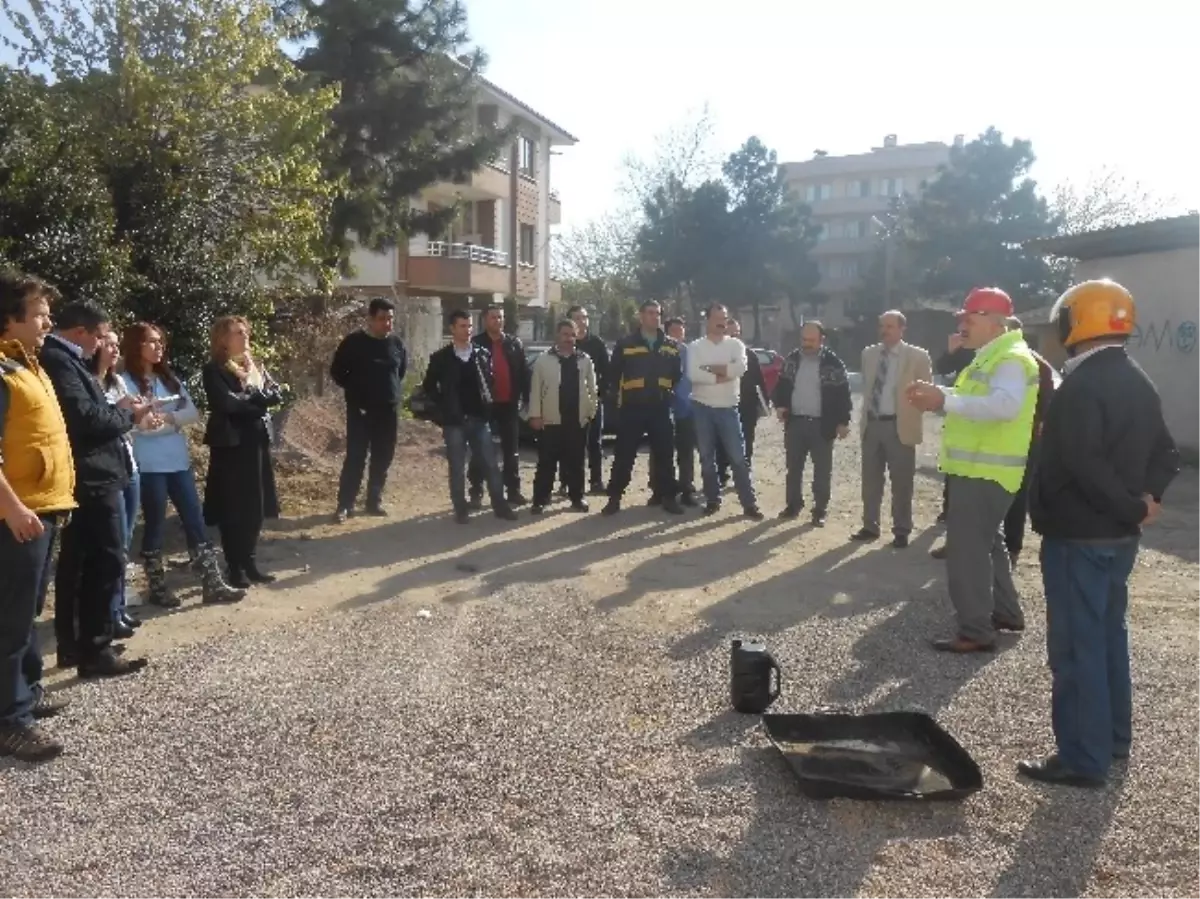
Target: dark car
{"points": [[532, 351]]}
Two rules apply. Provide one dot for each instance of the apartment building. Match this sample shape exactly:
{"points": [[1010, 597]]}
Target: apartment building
{"points": [[497, 246], [846, 193]]}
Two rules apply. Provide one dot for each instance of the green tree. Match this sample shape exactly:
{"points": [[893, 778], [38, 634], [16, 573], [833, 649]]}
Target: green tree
{"points": [[969, 225], [406, 114], [194, 121]]}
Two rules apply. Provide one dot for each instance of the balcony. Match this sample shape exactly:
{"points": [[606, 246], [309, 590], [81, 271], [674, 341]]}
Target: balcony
{"points": [[489, 182], [457, 268]]}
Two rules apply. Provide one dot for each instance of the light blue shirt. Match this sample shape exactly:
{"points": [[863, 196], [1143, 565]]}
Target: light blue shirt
{"points": [[164, 450]]}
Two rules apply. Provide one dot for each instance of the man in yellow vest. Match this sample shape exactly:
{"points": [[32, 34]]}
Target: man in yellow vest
{"points": [[985, 442], [37, 493]]}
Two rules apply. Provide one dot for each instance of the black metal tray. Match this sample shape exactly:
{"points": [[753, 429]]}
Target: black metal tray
{"points": [[882, 755]]}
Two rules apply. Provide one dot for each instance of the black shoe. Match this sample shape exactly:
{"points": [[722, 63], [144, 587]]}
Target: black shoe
{"points": [[710, 509], [505, 513], [753, 513], [672, 507], [562, 490], [107, 664], [537, 509], [237, 579], [28, 743], [340, 516], [938, 552], [475, 502], [818, 519], [688, 498], [580, 506], [612, 507], [1051, 770], [462, 517], [255, 575], [129, 621], [941, 519], [49, 705], [598, 489], [864, 536], [516, 499], [121, 630], [900, 541], [789, 513], [654, 501], [66, 658], [377, 511]]}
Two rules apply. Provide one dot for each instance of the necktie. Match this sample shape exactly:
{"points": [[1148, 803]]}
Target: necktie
{"points": [[880, 380]]}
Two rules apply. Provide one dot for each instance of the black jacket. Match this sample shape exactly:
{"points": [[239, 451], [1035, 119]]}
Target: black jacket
{"points": [[370, 369], [597, 351], [641, 375], [237, 414], [1104, 445], [95, 427], [518, 366], [952, 362], [751, 387], [836, 401], [441, 383]]}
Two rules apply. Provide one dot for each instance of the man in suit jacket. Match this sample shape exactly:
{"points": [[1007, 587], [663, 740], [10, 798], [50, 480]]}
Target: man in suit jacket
{"points": [[891, 428]]}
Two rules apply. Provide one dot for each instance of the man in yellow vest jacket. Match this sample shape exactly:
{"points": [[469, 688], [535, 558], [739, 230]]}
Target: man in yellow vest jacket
{"points": [[37, 493], [985, 442]]}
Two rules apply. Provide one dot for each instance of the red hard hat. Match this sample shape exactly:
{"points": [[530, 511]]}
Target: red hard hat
{"points": [[989, 300]]}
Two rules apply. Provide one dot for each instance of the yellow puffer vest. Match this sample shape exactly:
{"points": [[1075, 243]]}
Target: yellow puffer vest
{"points": [[992, 450], [34, 446]]}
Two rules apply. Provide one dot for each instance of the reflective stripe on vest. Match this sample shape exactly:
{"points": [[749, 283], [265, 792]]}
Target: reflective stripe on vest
{"points": [[664, 383], [992, 450]]}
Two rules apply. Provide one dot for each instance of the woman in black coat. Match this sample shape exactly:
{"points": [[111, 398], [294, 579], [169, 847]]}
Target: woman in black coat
{"points": [[239, 494]]}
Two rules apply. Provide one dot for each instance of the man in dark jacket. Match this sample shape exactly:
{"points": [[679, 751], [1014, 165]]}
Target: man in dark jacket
{"points": [[646, 367], [812, 399], [92, 559], [751, 403], [594, 346], [1106, 458], [369, 366], [459, 384], [510, 374]]}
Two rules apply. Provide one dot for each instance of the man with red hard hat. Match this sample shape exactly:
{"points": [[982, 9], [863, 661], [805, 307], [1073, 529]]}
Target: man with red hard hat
{"points": [[985, 442]]}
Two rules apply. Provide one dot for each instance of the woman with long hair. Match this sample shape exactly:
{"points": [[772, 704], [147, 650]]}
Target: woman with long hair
{"points": [[165, 463], [240, 492], [104, 364]]}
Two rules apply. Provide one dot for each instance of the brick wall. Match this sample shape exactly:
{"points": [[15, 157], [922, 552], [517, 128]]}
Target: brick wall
{"points": [[527, 214]]}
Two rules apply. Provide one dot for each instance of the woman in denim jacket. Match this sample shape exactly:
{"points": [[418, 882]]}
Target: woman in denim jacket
{"points": [[165, 464]]}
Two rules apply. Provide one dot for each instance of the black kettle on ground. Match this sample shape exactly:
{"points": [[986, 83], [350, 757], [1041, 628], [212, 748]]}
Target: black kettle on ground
{"points": [[750, 683]]}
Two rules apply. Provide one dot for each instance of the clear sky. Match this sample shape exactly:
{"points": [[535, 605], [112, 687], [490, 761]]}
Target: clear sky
{"points": [[1090, 87]]}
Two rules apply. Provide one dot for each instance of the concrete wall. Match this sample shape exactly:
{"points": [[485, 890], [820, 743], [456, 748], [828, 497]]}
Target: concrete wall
{"points": [[1166, 287]]}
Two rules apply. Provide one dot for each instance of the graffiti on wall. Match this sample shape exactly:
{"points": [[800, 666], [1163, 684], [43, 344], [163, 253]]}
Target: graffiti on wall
{"points": [[1165, 337]]}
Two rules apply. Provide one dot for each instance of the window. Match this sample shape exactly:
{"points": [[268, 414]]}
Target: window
{"points": [[823, 234], [854, 229], [525, 155], [891, 187], [824, 191], [854, 189], [810, 193], [527, 252]]}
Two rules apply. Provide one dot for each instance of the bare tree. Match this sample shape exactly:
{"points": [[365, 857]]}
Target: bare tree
{"points": [[685, 154], [1106, 199]]}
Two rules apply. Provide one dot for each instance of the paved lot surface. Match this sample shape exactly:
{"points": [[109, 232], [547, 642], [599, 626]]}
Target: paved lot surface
{"points": [[558, 723]]}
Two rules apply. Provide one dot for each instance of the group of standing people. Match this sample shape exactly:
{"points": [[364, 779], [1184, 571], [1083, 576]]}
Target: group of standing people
{"points": [[91, 432]]}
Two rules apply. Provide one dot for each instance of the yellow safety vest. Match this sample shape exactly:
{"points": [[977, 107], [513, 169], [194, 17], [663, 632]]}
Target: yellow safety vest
{"points": [[992, 450]]}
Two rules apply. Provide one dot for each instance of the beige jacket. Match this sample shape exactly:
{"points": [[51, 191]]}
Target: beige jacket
{"points": [[915, 365], [547, 378]]}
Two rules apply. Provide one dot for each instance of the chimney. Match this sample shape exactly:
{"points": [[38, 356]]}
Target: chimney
{"points": [[958, 141], [889, 140]]}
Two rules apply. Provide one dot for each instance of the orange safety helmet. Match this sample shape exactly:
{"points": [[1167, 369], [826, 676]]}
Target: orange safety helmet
{"points": [[1094, 309], [987, 300]]}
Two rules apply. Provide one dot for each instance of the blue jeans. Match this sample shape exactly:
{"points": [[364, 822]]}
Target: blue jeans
{"points": [[129, 500], [1087, 596], [180, 488], [26, 575], [722, 427], [474, 434]]}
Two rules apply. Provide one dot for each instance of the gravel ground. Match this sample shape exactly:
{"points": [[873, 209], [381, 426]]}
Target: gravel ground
{"points": [[558, 724]]}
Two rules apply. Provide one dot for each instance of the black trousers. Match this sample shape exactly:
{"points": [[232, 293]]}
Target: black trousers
{"points": [[506, 424], [595, 448], [91, 564], [368, 431], [749, 420], [560, 449], [635, 421], [685, 459], [1014, 521]]}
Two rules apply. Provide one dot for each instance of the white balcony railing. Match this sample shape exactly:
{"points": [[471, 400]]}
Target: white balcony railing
{"points": [[473, 252]]}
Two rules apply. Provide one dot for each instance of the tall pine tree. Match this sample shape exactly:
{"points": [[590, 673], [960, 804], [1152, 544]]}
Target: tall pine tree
{"points": [[406, 118]]}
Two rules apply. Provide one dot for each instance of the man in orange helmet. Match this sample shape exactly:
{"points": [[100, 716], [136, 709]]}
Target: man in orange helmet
{"points": [[1106, 459], [985, 443]]}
